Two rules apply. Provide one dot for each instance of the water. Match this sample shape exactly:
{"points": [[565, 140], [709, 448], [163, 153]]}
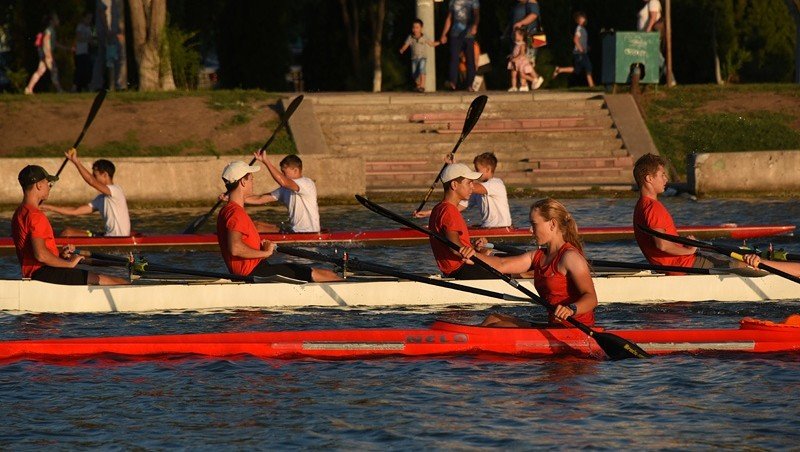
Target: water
{"points": [[675, 402]]}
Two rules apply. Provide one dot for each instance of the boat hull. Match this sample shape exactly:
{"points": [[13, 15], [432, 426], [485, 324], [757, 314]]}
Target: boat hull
{"points": [[397, 237], [441, 339], [35, 296]]}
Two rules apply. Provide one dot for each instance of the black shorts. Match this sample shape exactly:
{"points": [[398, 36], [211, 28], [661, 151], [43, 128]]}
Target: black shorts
{"points": [[467, 271], [706, 261], [294, 271], [63, 276]]}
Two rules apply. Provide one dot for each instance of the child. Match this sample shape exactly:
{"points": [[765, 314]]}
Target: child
{"points": [[296, 192], [489, 193], [520, 64], [417, 43], [580, 56]]}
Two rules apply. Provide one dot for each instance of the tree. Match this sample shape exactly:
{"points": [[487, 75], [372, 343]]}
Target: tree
{"points": [[149, 19], [794, 7]]}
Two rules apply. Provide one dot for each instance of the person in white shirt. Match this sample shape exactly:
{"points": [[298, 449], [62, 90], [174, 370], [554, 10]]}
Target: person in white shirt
{"points": [[649, 16], [296, 192], [489, 194], [111, 202]]}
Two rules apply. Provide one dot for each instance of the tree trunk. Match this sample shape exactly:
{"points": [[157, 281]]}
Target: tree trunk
{"points": [[350, 21], [377, 76], [794, 8], [717, 69], [148, 19]]}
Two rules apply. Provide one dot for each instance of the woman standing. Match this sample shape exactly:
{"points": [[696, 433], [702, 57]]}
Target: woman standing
{"points": [[45, 42]]}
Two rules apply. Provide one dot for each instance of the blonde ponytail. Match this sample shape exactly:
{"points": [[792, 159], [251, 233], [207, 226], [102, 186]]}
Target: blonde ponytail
{"points": [[550, 209]]}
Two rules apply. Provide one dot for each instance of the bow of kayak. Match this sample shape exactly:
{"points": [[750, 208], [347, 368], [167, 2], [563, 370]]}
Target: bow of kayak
{"points": [[441, 339]]}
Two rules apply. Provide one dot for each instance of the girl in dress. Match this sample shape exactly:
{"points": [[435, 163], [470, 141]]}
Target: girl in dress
{"points": [[519, 64]]}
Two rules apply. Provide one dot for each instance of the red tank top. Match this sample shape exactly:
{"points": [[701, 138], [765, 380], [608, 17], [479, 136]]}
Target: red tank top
{"points": [[554, 287]]}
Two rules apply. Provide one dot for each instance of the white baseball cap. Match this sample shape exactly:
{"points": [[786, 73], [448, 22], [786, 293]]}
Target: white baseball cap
{"points": [[456, 170], [237, 170]]}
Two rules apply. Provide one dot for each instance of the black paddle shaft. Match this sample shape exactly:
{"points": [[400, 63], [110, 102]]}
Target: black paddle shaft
{"points": [[473, 114], [98, 101], [614, 346], [200, 221], [736, 254]]}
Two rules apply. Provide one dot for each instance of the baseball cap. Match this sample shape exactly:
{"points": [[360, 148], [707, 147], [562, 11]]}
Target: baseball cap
{"points": [[456, 170], [237, 170], [32, 174]]}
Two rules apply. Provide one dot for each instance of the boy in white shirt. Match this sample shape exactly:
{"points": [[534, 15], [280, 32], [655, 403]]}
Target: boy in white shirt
{"points": [[111, 202], [296, 192], [489, 194]]}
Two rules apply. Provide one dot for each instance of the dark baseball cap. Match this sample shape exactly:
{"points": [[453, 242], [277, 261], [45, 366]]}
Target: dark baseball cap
{"points": [[32, 174]]}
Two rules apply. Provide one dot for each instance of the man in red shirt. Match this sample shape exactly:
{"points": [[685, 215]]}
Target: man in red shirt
{"points": [[242, 249], [446, 219], [34, 241], [651, 176]]}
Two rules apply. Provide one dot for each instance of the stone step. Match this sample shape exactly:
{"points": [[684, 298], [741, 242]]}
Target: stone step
{"points": [[585, 147], [416, 108], [386, 116], [410, 127], [504, 156], [360, 138], [442, 97]]}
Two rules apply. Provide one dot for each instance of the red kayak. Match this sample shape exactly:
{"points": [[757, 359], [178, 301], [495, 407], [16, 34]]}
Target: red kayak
{"points": [[402, 236], [441, 339]]}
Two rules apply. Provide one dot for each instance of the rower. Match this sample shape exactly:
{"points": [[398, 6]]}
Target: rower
{"points": [[489, 194], [111, 202], [244, 252], [651, 176], [446, 219], [296, 192], [34, 241], [560, 271]]}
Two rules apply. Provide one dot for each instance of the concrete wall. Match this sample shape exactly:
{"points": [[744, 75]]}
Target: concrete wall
{"points": [[631, 125], [757, 171], [182, 178]]}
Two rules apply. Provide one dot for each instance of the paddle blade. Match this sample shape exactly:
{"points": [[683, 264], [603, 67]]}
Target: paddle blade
{"points": [[98, 102], [619, 348], [196, 224], [473, 114]]}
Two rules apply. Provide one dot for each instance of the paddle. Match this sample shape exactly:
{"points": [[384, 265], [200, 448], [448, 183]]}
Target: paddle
{"points": [[142, 266], [736, 254], [389, 271], [473, 114], [200, 221], [98, 101], [614, 346]]}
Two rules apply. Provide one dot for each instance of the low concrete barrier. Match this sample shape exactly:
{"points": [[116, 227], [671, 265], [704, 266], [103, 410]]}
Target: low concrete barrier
{"points": [[756, 171], [166, 179]]}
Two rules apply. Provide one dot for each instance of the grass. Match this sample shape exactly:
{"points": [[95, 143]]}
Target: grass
{"points": [[681, 122]]}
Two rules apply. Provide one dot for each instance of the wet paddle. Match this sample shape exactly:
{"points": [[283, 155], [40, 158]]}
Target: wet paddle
{"points": [[734, 253], [473, 114], [98, 102], [200, 221], [357, 264], [614, 346]]}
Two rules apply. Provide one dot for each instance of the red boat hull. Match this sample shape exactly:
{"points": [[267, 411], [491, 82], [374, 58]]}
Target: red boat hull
{"points": [[441, 339], [402, 236]]}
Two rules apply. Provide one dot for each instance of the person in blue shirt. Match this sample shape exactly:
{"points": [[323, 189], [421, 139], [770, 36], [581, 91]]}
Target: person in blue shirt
{"points": [[460, 28]]}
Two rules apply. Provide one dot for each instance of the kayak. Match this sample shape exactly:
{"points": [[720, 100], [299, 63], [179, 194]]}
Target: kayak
{"points": [[440, 339], [400, 236]]}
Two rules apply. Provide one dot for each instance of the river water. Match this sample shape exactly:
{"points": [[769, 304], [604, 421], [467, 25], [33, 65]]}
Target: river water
{"points": [[676, 402]]}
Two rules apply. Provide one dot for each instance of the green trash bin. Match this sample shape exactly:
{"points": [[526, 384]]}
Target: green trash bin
{"points": [[624, 50]]}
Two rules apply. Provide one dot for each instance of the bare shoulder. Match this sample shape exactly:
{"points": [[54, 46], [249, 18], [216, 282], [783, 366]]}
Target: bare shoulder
{"points": [[573, 260]]}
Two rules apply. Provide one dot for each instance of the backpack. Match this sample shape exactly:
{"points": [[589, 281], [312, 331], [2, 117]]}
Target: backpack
{"points": [[39, 39]]}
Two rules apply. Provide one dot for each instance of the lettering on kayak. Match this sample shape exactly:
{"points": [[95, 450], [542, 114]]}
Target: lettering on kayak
{"points": [[459, 338]]}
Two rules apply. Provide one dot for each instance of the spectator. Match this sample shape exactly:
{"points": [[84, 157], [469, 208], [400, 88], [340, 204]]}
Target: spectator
{"points": [[580, 54], [519, 64], [83, 60], [417, 42], [45, 42], [649, 18], [461, 25], [525, 14]]}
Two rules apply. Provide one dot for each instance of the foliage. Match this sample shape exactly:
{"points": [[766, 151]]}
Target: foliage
{"points": [[181, 49]]}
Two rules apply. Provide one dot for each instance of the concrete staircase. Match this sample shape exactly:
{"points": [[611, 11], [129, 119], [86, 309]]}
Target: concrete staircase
{"points": [[545, 141]]}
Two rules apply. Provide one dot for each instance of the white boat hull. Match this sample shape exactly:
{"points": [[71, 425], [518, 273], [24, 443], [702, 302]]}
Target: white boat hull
{"points": [[35, 296]]}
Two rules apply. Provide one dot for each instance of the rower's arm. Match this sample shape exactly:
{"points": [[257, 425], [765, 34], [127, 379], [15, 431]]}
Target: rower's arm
{"points": [[258, 200], [281, 178], [89, 177], [511, 265], [43, 255], [478, 188], [83, 209], [240, 249], [676, 249], [577, 271]]}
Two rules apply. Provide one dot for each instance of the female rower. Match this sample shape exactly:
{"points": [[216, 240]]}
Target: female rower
{"points": [[560, 271], [793, 268]]}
